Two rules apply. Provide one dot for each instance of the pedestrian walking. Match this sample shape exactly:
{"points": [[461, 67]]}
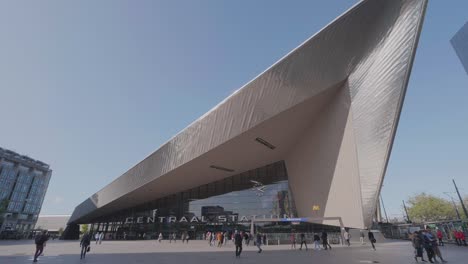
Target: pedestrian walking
{"points": [[172, 237], [225, 236], [208, 237], [96, 237], [361, 237], [325, 243], [246, 238], [293, 240], [40, 241], [303, 241], [347, 236], [372, 239], [213, 239], [428, 245], [462, 238], [220, 239], [101, 237], [238, 243], [417, 242], [85, 244], [456, 235], [160, 237], [435, 246], [440, 237], [316, 242], [259, 242]]}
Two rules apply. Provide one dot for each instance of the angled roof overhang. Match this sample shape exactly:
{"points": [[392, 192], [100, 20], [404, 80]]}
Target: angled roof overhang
{"points": [[345, 84]]}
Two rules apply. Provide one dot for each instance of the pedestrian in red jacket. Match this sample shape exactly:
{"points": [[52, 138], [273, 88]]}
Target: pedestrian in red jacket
{"points": [[462, 238], [440, 237], [456, 235]]}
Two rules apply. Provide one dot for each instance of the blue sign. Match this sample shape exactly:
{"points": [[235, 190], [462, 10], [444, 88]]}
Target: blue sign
{"points": [[293, 219]]}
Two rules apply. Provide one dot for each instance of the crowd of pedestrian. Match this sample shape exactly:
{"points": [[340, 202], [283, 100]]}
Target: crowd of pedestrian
{"points": [[422, 241], [425, 240], [321, 241], [459, 236]]}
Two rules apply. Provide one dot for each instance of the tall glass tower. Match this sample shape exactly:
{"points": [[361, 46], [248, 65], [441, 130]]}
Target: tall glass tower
{"points": [[23, 185], [460, 44]]}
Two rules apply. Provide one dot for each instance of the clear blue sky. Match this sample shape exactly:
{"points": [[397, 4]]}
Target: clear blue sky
{"points": [[93, 87]]}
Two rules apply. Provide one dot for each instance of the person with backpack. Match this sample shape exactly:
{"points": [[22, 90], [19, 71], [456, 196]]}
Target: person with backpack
{"points": [[372, 239], [40, 240], [84, 244]]}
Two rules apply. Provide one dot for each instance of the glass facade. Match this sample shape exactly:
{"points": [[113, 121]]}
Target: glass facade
{"points": [[460, 44], [223, 205], [23, 184], [7, 179]]}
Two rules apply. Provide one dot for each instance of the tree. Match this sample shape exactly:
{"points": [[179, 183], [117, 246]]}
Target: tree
{"points": [[60, 231], [84, 228], [425, 208]]}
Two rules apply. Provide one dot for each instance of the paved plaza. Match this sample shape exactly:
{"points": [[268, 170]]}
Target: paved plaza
{"points": [[142, 252]]}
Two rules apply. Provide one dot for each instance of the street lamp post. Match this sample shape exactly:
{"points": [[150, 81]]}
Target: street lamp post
{"points": [[454, 205], [461, 200], [383, 206], [406, 211]]}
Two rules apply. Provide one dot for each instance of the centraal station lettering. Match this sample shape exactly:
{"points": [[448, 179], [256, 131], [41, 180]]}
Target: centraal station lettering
{"points": [[203, 219]]}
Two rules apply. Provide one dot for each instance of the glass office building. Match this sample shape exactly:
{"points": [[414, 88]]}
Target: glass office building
{"points": [[460, 44], [23, 185]]}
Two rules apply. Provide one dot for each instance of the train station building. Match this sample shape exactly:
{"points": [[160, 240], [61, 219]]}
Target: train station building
{"points": [[305, 143]]}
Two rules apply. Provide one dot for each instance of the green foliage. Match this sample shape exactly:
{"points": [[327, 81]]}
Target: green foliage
{"points": [[84, 228], [425, 208], [60, 231]]}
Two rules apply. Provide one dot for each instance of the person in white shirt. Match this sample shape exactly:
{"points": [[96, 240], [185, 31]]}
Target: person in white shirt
{"points": [[347, 236]]}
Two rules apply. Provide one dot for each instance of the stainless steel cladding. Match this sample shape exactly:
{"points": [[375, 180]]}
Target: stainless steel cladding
{"points": [[330, 108]]}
